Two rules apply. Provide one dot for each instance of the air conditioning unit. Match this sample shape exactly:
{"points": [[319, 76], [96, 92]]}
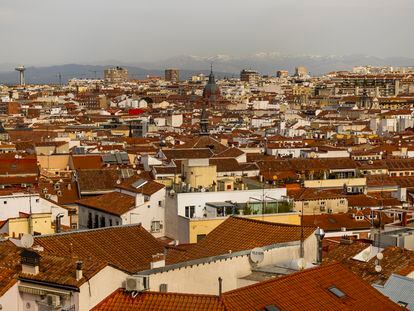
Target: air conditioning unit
{"points": [[53, 300], [137, 283]]}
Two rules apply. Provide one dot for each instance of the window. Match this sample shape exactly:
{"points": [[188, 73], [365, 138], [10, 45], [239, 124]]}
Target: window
{"points": [[342, 202], [160, 203], [4, 202], [336, 291], [90, 221], [37, 200], [190, 211], [323, 202], [110, 222], [200, 237], [96, 224], [403, 303], [103, 221], [156, 226]]}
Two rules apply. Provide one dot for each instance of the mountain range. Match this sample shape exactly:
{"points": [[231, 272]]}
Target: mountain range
{"points": [[224, 65]]}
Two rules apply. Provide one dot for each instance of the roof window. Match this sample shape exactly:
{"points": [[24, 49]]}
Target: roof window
{"points": [[336, 291]]}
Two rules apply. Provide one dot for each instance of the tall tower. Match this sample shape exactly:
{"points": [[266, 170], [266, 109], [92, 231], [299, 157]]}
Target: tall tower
{"points": [[204, 122], [211, 92], [21, 71]]}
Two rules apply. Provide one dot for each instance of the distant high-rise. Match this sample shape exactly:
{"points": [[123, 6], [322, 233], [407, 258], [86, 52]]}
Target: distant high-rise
{"points": [[21, 71], [172, 75], [301, 71], [282, 73], [116, 75], [250, 76]]}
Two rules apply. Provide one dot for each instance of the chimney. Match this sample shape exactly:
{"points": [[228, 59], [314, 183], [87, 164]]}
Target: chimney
{"points": [[320, 234], [58, 224], [79, 271], [30, 261], [404, 219], [158, 261], [220, 281]]}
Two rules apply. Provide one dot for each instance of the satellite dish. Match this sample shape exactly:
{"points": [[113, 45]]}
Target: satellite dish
{"points": [[378, 268], [16, 156], [118, 182], [380, 256], [257, 255], [27, 240]]}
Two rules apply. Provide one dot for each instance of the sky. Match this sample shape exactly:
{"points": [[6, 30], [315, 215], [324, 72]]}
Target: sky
{"points": [[46, 32]]}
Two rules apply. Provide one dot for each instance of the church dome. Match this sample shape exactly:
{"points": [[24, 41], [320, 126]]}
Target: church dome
{"points": [[211, 91]]}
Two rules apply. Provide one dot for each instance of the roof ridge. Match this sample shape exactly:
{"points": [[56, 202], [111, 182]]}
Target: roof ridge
{"points": [[79, 231], [304, 271], [268, 222]]}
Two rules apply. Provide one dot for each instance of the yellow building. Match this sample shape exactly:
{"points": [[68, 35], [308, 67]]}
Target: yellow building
{"points": [[196, 229], [35, 224], [198, 173]]}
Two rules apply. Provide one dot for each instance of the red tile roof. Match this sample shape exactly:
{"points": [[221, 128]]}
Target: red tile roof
{"points": [[395, 259], [129, 248], [114, 203], [147, 189], [120, 301], [309, 290], [237, 234]]}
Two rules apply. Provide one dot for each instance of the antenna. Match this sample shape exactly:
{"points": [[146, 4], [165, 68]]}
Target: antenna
{"points": [[27, 240]]}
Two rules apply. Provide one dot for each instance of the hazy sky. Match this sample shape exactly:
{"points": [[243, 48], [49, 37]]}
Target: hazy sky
{"points": [[62, 31]]}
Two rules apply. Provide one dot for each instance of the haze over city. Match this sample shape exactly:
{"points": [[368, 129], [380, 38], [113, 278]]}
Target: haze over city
{"points": [[49, 32]]}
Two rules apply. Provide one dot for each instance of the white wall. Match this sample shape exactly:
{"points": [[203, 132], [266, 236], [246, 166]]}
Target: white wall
{"points": [[11, 299], [99, 287], [199, 199], [203, 278]]}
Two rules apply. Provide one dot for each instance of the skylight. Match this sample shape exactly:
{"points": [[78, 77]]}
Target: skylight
{"points": [[271, 308], [336, 291]]}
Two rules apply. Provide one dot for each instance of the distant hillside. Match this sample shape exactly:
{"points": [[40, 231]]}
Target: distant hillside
{"points": [[224, 65], [269, 63], [50, 74]]}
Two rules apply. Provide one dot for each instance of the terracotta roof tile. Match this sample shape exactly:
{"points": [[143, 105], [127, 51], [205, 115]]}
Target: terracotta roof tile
{"points": [[237, 234], [120, 301], [309, 290], [129, 248], [114, 203], [394, 260]]}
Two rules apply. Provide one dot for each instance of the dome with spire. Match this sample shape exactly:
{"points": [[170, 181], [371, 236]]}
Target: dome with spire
{"points": [[211, 92]]}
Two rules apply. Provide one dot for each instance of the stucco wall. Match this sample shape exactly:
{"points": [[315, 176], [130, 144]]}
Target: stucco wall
{"points": [[203, 278]]}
